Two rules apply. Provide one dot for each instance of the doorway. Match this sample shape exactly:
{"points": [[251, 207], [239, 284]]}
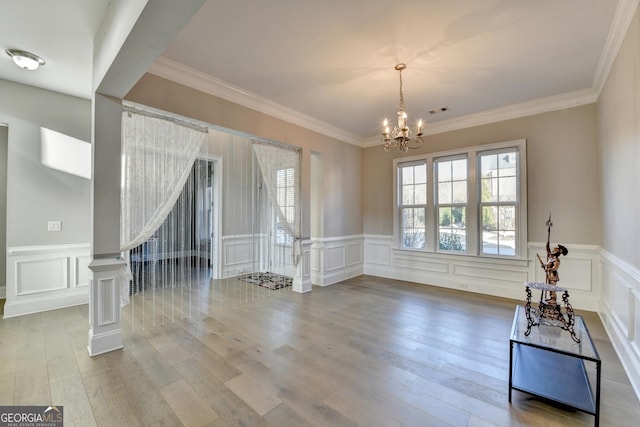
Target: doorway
{"points": [[186, 244]]}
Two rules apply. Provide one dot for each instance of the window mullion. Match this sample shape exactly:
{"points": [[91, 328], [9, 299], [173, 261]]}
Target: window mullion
{"points": [[431, 213], [473, 205]]}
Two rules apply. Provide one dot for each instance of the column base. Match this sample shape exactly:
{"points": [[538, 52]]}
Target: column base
{"points": [[301, 285], [104, 342], [104, 305], [302, 273]]}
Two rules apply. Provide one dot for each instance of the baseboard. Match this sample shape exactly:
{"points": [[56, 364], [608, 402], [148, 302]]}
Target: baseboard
{"points": [[338, 276], [3, 292], [46, 301]]}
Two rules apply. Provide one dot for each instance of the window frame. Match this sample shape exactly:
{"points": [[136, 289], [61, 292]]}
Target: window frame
{"points": [[498, 203], [438, 205], [474, 245], [400, 206]]}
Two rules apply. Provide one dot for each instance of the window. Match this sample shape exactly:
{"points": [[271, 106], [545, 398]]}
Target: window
{"points": [[285, 196], [451, 199], [413, 204], [475, 204], [499, 201]]}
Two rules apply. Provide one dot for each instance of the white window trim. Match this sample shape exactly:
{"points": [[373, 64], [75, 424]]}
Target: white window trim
{"points": [[473, 218], [398, 206], [438, 205]]}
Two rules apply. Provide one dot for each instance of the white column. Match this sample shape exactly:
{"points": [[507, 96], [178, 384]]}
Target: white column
{"points": [[119, 62], [302, 272], [104, 305], [106, 265]]}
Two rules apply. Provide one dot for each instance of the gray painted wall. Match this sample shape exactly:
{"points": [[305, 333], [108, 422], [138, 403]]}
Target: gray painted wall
{"points": [[342, 177], [37, 194], [562, 164], [3, 204], [619, 139]]}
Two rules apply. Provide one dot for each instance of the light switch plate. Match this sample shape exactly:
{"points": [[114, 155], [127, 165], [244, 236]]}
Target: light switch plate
{"points": [[54, 226]]}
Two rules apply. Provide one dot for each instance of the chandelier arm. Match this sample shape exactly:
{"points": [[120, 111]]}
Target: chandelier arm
{"points": [[418, 141], [389, 145]]}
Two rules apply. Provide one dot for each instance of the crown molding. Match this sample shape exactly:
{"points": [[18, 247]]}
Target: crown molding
{"points": [[618, 31], [514, 111], [184, 75], [181, 74]]}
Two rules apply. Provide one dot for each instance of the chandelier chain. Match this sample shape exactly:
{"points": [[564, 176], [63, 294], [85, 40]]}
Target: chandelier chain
{"points": [[401, 94]]}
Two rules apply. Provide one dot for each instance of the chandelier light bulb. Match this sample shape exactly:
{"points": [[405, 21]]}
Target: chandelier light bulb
{"points": [[402, 119], [385, 128]]}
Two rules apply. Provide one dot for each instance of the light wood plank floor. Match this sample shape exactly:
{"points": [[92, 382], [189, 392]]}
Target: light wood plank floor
{"points": [[368, 351]]}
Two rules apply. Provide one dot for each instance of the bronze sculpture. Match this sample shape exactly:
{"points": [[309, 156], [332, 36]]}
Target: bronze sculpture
{"points": [[548, 312]]}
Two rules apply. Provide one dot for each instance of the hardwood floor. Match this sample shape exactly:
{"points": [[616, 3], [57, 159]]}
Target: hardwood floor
{"points": [[368, 351]]}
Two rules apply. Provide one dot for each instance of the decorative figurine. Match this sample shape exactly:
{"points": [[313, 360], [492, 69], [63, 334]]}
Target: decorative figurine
{"points": [[548, 311], [553, 263]]}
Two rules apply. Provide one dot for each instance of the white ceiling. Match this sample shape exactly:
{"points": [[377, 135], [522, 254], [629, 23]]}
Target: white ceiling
{"points": [[61, 32], [331, 62]]}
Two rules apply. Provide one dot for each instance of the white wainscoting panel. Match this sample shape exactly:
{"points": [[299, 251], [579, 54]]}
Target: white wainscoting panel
{"points": [[416, 261], [635, 324], [31, 272], [334, 259], [620, 312], [82, 272], [577, 269], [41, 278], [491, 276], [354, 253], [238, 253], [377, 250], [579, 272]]}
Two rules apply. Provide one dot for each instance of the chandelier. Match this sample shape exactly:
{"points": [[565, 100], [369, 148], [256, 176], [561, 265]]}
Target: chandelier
{"points": [[400, 136]]}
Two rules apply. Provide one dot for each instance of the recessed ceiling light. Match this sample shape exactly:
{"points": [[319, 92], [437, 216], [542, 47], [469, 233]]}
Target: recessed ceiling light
{"points": [[439, 110], [25, 60]]}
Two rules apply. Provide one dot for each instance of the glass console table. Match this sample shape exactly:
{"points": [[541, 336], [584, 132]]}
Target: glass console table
{"points": [[549, 364]]}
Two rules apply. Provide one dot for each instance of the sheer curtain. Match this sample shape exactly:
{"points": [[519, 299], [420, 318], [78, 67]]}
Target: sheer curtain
{"points": [[199, 210], [158, 153], [280, 168]]}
